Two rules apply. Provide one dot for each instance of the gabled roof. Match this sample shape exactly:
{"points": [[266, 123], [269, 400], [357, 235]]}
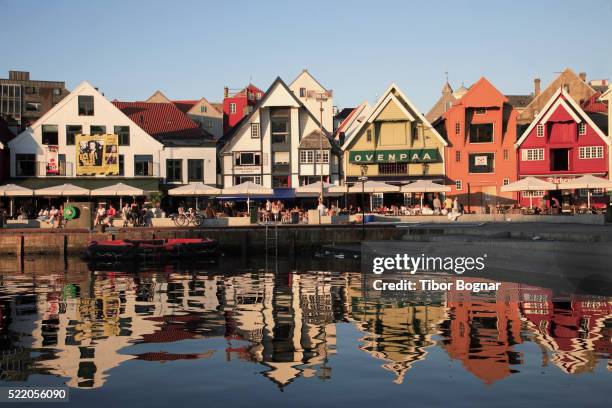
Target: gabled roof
{"points": [[159, 97], [164, 121], [482, 94], [185, 105], [227, 139], [306, 72], [313, 141], [441, 105], [519, 101], [382, 101], [562, 98]]}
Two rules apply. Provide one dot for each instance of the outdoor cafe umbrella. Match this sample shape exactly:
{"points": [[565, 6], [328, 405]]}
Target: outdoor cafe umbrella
{"points": [[314, 189], [13, 190], [588, 181], [529, 184], [195, 189], [118, 189], [247, 189], [62, 190], [372, 186], [424, 186]]}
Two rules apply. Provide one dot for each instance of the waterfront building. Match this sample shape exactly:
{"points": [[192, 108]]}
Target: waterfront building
{"points": [[352, 121], [139, 144], [480, 128], [237, 105], [443, 104], [309, 91], [23, 100], [562, 143], [207, 114], [5, 136], [278, 145], [394, 144]]}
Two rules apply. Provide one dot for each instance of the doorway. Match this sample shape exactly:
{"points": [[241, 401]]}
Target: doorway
{"points": [[559, 159]]}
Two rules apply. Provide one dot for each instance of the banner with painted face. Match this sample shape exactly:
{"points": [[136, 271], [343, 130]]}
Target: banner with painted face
{"points": [[97, 155], [52, 156]]}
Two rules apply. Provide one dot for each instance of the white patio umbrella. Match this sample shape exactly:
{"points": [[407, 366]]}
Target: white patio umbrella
{"points": [[13, 190], [424, 186], [247, 189], [529, 184], [195, 189], [118, 189], [314, 189], [372, 186], [62, 190], [341, 189], [588, 181]]}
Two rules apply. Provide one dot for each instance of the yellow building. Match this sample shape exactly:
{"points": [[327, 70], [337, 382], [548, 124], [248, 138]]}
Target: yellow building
{"points": [[395, 144]]}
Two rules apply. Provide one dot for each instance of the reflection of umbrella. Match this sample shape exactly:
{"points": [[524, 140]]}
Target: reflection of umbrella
{"points": [[372, 186], [63, 190], [195, 189], [247, 189], [529, 184], [588, 181], [424, 186]]}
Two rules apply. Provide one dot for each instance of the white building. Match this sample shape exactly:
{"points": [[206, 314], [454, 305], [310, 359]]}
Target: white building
{"points": [[306, 88], [278, 144], [170, 155]]}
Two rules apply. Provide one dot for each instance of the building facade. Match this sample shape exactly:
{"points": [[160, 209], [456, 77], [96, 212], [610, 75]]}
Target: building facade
{"points": [[278, 145], [309, 90], [142, 158], [23, 101], [562, 143], [239, 104], [394, 144], [481, 132]]}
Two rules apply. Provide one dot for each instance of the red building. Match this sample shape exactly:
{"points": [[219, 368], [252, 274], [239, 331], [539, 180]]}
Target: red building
{"points": [[564, 142], [238, 105], [481, 131]]}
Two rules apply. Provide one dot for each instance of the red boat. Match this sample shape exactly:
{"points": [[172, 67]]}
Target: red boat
{"points": [[141, 250]]}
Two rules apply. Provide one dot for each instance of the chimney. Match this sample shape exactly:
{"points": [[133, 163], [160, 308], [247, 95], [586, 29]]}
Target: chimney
{"points": [[19, 75], [225, 92], [582, 76], [536, 86]]}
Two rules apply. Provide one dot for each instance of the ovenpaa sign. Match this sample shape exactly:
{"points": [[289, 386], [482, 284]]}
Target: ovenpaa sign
{"points": [[394, 156]]}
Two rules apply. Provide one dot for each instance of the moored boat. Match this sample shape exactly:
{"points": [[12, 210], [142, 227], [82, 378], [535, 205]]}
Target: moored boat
{"points": [[154, 249]]}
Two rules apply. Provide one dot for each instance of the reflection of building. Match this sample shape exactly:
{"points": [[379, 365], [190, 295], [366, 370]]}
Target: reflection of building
{"points": [[482, 331], [573, 331]]}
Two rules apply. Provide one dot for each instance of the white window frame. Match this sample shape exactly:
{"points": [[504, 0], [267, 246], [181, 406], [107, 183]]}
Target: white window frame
{"points": [[590, 152], [325, 156], [506, 181], [238, 159], [533, 193], [255, 131], [532, 154], [377, 198], [232, 108], [582, 129], [540, 130], [458, 185], [595, 192], [306, 157]]}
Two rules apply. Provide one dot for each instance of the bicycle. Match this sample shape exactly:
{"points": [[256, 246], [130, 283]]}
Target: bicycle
{"points": [[184, 219]]}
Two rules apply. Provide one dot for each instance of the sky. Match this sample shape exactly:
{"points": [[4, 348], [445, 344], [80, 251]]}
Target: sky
{"points": [[190, 49]]}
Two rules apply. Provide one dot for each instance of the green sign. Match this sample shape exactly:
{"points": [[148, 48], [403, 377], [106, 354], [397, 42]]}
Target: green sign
{"points": [[394, 156]]}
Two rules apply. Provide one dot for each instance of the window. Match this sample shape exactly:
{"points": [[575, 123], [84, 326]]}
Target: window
{"points": [[71, 132], [302, 92], [247, 159], [25, 165], [457, 156], [596, 192], [57, 91], [582, 128], [481, 133], [258, 95], [325, 156], [408, 199], [121, 165], [123, 133], [480, 111], [49, 135], [173, 170], [532, 154], [591, 152], [251, 95], [280, 128], [232, 108], [210, 124], [306, 156], [506, 154], [393, 168], [482, 162], [415, 133], [281, 157], [506, 181], [195, 170], [369, 135], [203, 109], [143, 165], [242, 179], [97, 130], [534, 193], [32, 106], [61, 162], [30, 90], [458, 185], [281, 181], [377, 200], [86, 105], [457, 128], [540, 130], [254, 130]]}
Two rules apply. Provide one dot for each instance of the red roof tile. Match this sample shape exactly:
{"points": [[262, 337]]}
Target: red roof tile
{"points": [[161, 120], [184, 106]]}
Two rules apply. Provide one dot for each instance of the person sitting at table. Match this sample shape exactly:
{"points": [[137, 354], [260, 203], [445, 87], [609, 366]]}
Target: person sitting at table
{"points": [[437, 205], [43, 214], [110, 215], [209, 212], [100, 215]]}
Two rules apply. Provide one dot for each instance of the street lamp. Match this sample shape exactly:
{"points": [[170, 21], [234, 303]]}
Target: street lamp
{"points": [[363, 179], [320, 97]]}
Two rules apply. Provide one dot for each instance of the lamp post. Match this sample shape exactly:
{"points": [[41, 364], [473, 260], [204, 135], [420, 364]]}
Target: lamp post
{"points": [[320, 97], [363, 179]]}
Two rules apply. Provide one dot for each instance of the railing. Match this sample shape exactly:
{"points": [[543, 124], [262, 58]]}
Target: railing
{"points": [[65, 169]]}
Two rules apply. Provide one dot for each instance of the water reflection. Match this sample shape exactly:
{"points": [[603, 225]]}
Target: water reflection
{"points": [[80, 325]]}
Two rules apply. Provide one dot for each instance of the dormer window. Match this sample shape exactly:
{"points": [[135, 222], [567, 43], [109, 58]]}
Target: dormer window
{"points": [[540, 130], [582, 128]]}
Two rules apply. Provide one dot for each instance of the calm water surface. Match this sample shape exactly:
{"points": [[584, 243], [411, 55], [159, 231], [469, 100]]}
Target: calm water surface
{"points": [[251, 334]]}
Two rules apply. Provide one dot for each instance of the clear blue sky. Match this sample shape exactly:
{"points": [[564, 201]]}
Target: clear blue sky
{"points": [[190, 49]]}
